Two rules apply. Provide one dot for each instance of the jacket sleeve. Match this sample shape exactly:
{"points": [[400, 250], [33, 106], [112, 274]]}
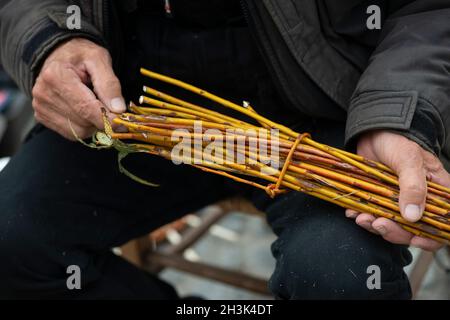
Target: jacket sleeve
{"points": [[29, 31], [406, 86]]}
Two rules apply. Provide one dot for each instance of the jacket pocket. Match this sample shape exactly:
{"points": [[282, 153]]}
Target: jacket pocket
{"points": [[380, 110]]}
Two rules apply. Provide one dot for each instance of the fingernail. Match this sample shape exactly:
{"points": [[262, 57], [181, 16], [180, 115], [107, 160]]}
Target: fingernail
{"points": [[351, 215], [412, 212], [381, 230], [118, 105], [365, 224]]}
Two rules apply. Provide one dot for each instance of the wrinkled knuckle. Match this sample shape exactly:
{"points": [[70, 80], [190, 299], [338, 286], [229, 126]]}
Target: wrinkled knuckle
{"points": [[434, 165], [37, 92], [91, 59], [100, 52], [36, 104], [411, 159], [38, 117], [414, 154], [112, 83], [84, 109], [97, 53], [49, 74], [415, 190]]}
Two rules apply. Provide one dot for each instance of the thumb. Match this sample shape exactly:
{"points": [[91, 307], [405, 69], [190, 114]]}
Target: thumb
{"points": [[413, 185], [106, 85]]}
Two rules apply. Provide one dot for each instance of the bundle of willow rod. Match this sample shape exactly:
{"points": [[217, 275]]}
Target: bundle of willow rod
{"points": [[334, 175]]}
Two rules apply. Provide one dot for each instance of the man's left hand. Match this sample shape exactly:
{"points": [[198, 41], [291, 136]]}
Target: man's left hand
{"points": [[413, 165]]}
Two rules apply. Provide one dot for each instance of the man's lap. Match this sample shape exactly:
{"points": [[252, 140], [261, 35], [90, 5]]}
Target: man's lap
{"points": [[63, 203]]}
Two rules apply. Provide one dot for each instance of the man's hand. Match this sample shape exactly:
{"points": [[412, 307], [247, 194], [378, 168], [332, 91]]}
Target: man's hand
{"points": [[62, 89], [412, 165]]}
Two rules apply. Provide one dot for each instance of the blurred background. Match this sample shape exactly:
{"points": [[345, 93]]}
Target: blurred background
{"points": [[16, 117], [217, 259]]}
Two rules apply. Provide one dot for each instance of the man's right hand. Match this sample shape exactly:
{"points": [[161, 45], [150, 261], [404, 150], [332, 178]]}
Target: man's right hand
{"points": [[62, 89]]}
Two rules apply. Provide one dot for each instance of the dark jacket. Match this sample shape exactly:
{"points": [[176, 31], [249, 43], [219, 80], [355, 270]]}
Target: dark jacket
{"points": [[396, 78]]}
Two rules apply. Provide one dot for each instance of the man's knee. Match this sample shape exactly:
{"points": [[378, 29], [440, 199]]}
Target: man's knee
{"points": [[308, 273], [323, 255], [25, 259]]}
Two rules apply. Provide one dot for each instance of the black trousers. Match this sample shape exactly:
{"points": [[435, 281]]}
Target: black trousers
{"points": [[63, 204]]}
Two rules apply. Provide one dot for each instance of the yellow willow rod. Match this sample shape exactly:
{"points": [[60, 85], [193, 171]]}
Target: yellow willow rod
{"points": [[196, 136], [217, 99], [439, 187], [409, 229], [261, 119], [364, 160], [422, 225], [426, 235], [166, 142], [214, 161], [209, 116], [249, 156], [149, 138], [189, 105], [282, 143], [162, 112], [372, 208], [145, 137], [433, 211], [153, 138], [254, 132], [192, 135], [438, 201], [166, 105], [282, 140], [353, 162], [347, 179], [373, 203], [377, 199], [440, 193]]}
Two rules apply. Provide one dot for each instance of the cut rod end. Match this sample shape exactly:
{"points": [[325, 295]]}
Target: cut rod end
{"points": [[146, 72], [141, 99]]}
